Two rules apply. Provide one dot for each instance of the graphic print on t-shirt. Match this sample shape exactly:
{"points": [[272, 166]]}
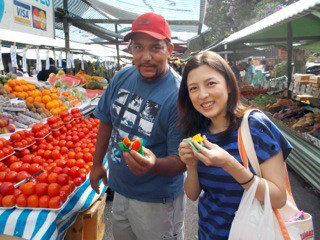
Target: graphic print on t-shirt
{"points": [[132, 117]]}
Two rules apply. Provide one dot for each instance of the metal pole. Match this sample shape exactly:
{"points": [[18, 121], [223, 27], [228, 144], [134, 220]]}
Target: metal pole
{"points": [[66, 28], [117, 46], [289, 60]]}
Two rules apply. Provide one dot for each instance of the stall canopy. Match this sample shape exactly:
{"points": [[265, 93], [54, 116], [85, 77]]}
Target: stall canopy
{"points": [[301, 20], [107, 21]]}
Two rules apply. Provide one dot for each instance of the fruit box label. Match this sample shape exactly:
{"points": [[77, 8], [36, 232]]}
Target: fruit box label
{"points": [[22, 14]]}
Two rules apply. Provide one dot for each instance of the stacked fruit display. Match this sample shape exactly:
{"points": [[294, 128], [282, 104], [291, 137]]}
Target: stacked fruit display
{"points": [[5, 125], [65, 156], [6, 149], [22, 139], [20, 88]]}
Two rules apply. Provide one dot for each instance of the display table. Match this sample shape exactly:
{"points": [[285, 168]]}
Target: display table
{"points": [[45, 224]]}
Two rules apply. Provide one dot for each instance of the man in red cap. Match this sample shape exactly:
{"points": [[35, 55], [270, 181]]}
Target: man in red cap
{"points": [[140, 102]]}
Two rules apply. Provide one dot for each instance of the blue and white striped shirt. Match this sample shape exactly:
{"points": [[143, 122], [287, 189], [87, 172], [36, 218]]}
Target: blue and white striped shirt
{"points": [[221, 193]]}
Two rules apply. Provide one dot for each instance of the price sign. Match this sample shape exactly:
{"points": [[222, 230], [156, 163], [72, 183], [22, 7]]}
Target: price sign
{"points": [[291, 86], [297, 88], [309, 90]]}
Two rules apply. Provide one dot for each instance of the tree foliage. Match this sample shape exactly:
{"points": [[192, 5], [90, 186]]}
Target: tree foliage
{"points": [[225, 17]]}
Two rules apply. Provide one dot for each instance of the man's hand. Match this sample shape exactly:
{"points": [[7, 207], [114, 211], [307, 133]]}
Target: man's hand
{"points": [[140, 164], [97, 172]]}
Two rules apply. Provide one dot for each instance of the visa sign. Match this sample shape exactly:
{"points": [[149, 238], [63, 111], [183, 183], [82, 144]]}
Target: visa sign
{"points": [[22, 13]]}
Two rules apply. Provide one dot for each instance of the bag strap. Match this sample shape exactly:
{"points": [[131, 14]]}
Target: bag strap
{"points": [[247, 150], [249, 146]]}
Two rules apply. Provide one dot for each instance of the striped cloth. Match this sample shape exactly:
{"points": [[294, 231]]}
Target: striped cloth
{"points": [[45, 224]]}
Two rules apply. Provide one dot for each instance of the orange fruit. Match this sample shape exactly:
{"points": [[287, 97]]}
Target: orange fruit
{"points": [[46, 99], [11, 83], [54, 96], [45, 92], [18, 88], [50, 105], [37, 99], [54, 111], [8, 88], [30, 100]]}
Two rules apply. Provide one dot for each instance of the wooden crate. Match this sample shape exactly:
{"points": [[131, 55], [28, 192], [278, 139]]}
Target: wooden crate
{"points": [[302, 78], [89, 225]]}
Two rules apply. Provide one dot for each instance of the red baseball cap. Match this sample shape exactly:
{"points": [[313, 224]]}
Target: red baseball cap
{"points": [[152, 24]]}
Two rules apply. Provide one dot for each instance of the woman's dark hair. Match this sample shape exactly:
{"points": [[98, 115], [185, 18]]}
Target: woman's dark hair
{"points": [[191, 120]]}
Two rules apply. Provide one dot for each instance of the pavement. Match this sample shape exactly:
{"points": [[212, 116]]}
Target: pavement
{"points": [[306, 197]]}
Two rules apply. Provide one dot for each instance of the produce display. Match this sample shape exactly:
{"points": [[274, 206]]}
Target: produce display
{"points": [[65, 156], [295, 115]]}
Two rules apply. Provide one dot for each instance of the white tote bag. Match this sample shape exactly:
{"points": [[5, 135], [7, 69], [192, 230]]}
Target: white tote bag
{"points": [[254, 221], [292, 227]]}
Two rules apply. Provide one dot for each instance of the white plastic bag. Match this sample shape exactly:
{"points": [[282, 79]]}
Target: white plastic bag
{"points": [[254, 221]]}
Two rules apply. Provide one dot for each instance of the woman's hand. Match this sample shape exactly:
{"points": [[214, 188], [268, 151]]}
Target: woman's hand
{"points": [[187, 156], [212, 155]]}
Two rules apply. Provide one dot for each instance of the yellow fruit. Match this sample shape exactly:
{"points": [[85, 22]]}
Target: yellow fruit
{"points": [[45, 92], [50, 105], [30, 100], [18, 88], [46, 99], [54, 111], [37, 99]]}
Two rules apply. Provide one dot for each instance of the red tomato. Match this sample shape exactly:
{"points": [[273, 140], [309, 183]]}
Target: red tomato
{"points": [[34, 148], [27, 158], [74, 172], [44, 201], [55, 154], [49, 138], [87, 157], [63, 179], [34, 167], [40, 152], [6, 188], [33, 201], [47, 154], [57, 170], [55, 202], [71, 162], [75, 110], [17, 192], [41, 189], [53, 189], [52, 177], [38, 159], [56, 134], [37, 127], [66, 189], [3, 166], [62, 143], [79, 155], [22, 175], [71, 155], [6, 151], [80, 163], [28, 188], [78, 181], [64, 114], [25, 167], [21, 200], [2, 176], [78, 149], [40, 134], [43, 178], [66, 170], [52, 120], [15, 137], [11, 176], [8, 201]]}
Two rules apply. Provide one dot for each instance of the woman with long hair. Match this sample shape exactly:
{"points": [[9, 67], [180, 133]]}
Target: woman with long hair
{"points": [[209, 103]]}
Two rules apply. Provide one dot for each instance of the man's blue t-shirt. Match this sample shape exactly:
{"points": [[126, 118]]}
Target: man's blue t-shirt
{"points": [[221, 193], [148, 110]]}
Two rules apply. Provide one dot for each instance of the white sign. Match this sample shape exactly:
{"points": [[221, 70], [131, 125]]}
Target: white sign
{"points": [[82, 62], [60, 60], [38, 65], [24, 60], [29, 16], [1, 62], [13, 55], [47, 60]]}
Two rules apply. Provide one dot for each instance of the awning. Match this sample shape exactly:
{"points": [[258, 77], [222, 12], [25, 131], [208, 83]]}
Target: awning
{"points": [[304, 17]]}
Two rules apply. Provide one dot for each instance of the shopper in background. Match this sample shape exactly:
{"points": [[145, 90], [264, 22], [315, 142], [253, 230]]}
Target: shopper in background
{"points": [[141, 102], [250, 71], [236, 70], [209, 103], [43, 75]]}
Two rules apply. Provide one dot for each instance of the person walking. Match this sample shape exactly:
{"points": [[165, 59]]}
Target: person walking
{"points": [[250, 72], [141, 102], [209, 104]]}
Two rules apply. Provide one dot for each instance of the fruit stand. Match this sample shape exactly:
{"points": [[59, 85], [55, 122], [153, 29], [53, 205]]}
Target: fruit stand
{"points": [[299, 120], [45, 134]]}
